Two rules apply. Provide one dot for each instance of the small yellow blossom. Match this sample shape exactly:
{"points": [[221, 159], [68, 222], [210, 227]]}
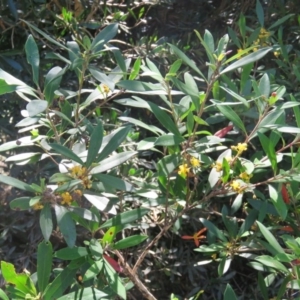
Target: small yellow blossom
{"points": [[66, 198], [183, 170], [236, 186], [105, 88], [195, 162], [80, 172], [264, 34], [245, 176], [240, 148], [78, 192], [218, 166], [276, 53], [38, 206]]}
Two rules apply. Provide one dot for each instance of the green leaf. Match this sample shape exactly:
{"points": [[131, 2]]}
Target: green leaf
{"points": [[3, 295], [61, 282], [93, 271], [7, 88], [278, 202], [125, 217], [109, 235], [44, 264], [96, 249], [135, 69], [236, 96], [269, 261], [66, 225], [174, 68], [22, 281], [130, 241], [213, 229], [280, 21], [16, 183], [115, 182], [95, 144], [21, 203], [224, 265], [262, 286], [252, 57], [260, 13], [36, 107], [114, 280], [71, 254], [116, 139], [186, 60], [103, 37], [230, 114], [275, 247], [88, 293], [264, 86], [113, 161], [46, 223], [269, 149], [33, 57], [52, 82], [66, 152], [229, 293]]}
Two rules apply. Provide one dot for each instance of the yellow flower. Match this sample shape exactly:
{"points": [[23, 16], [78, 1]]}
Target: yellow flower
{"points": [[66, 198], [276, 53], [105, 89], [80, 172], [218, 166], [263, 34], [245, 176], [38, 206], [183, 170], [195, 162], [240, 148], [236, 186]]}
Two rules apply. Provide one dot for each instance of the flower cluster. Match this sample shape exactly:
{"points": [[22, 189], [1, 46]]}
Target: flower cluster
{"points": [[245, 177], [262, 39], [237, 187], [38, 206], [184, 169], [240, 148], [67, 197], [80, 172]]}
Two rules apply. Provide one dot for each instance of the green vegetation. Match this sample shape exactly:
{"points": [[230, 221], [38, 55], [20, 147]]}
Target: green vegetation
{"points": [[152, 168]]}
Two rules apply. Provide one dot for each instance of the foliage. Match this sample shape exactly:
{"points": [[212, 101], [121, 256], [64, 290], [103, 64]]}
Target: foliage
{"points": [[202, 154]]}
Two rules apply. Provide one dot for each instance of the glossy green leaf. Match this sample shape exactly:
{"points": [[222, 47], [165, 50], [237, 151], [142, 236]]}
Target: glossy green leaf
{"points": [[3, 295], [115, 182], [66, 152], [260, 13], [269, 149], [229, 293], [113, 161], [66, 225], [44, 264], [101, 203], [275, 247], [88, 293], [60, 283], [7, 88], [96, 249], [95, 144], [271, 262], [36, 107], [186, 60], [93, 270], [262, 286], [84, 213], [224, 265], [103, 37], [52, 82], [125, 217], [264, 86], [21, 281], [116, 140], [230, 114], [247, 59], [280, 21], [16, 183], [213, 229], [33, 57], [130, 241], [21, 203], [114, 280], [174, 68], [135, 69], [278, 202], [46, 223], [236, 96], [110, 235], [71, 254]]}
